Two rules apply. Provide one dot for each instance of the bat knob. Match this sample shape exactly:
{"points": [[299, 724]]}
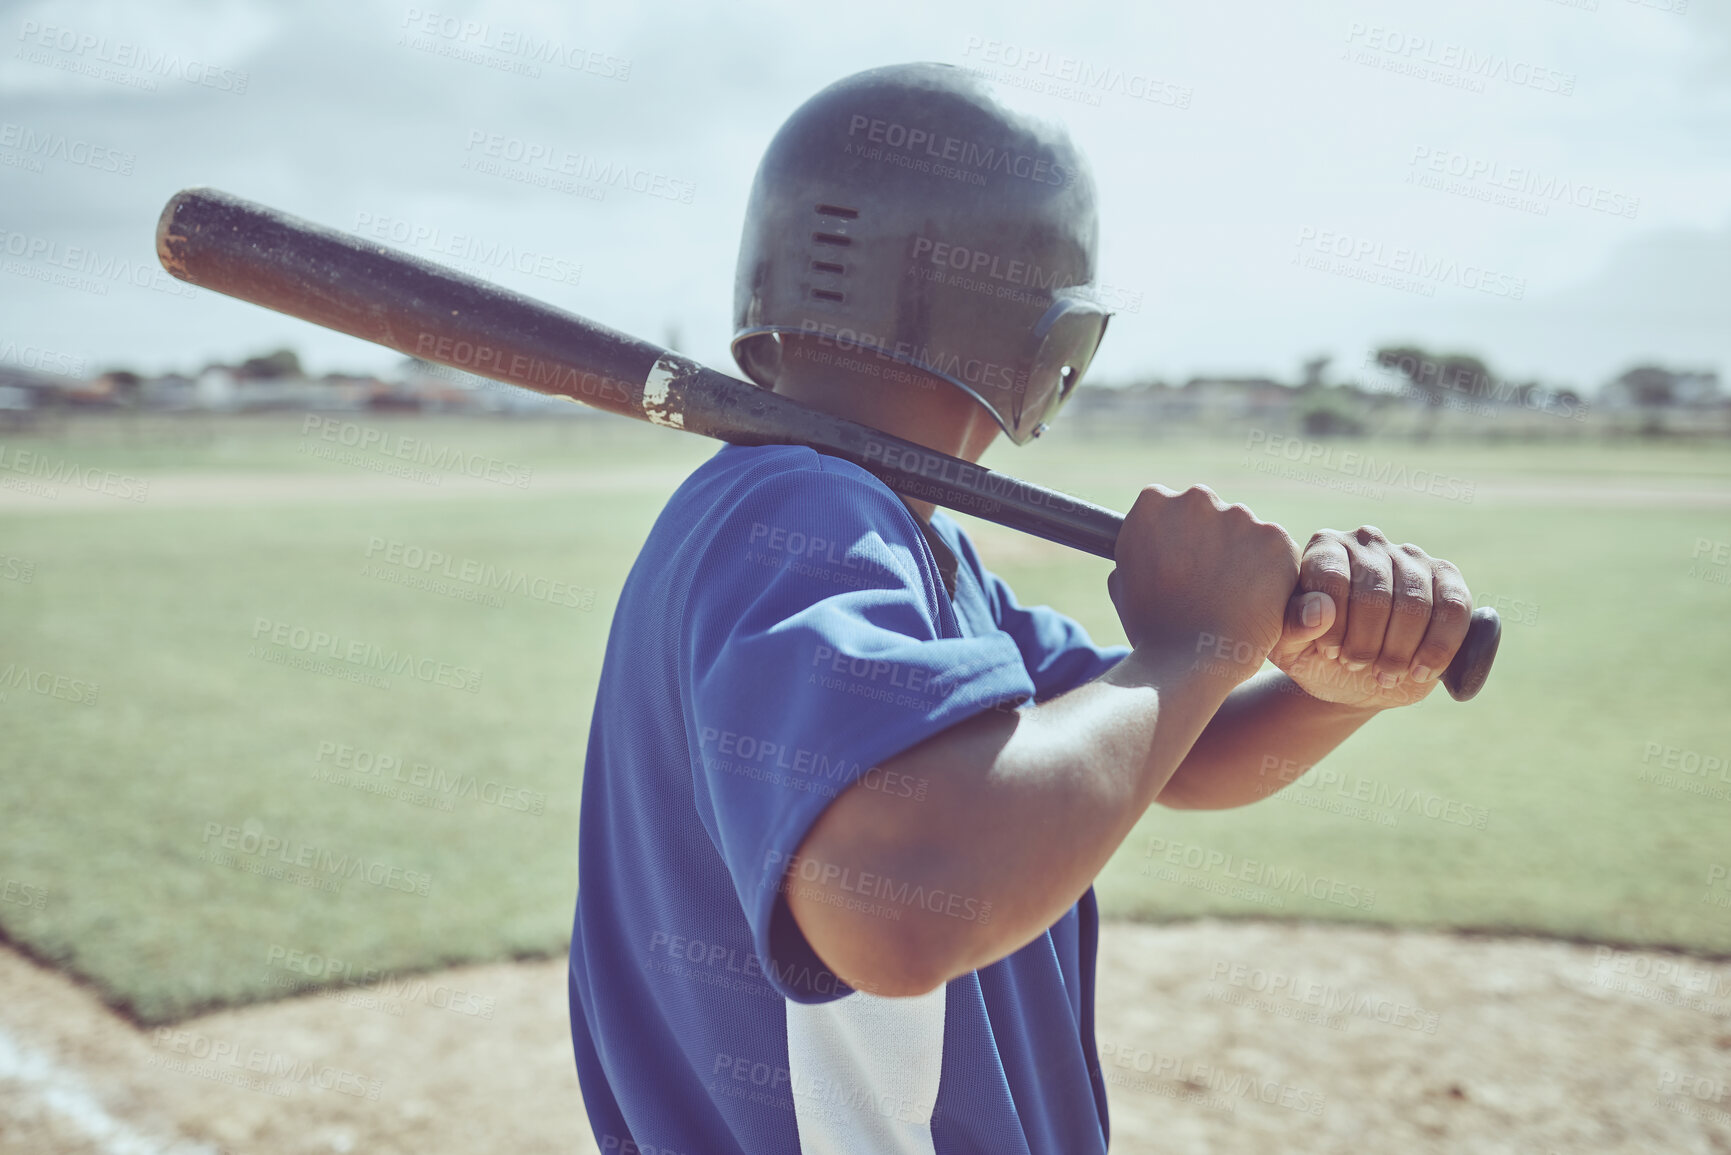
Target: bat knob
{"points": [[1466, 675]]}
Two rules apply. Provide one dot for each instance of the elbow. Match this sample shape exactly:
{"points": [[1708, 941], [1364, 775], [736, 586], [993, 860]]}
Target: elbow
{"points": [[1172, 796], [893, 959], [900, 982], [888, 964]]}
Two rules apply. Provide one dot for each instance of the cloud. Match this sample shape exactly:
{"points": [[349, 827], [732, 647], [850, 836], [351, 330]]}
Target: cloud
{"points": [[369, 111]]}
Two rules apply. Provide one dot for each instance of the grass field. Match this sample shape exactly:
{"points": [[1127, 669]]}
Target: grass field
{"points": [[140, 790]]}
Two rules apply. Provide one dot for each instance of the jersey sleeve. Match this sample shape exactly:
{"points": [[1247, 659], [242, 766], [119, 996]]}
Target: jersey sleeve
{"points": [[1056, 651], [818, 647]]}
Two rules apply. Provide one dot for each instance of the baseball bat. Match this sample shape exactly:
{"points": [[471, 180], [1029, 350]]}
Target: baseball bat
{"points": [[242, 249]]}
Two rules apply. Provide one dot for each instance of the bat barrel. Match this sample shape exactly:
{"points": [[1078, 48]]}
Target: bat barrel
{"points": [[343, 282]]}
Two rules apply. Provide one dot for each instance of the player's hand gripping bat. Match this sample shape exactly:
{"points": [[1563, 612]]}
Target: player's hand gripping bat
{"points": [[340, 281]]}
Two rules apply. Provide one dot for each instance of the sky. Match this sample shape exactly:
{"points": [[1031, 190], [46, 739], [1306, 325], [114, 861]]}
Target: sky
{"points": [[1545, 184]]}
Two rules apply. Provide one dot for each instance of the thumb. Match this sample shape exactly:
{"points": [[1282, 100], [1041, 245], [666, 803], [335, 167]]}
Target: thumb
{"points": [[1308, 617]]}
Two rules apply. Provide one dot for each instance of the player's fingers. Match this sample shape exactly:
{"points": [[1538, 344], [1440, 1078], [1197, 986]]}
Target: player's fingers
{"points": [[1308, 617], [1450, 613], [1409, 615], [1325, 567], [1372, 594]]}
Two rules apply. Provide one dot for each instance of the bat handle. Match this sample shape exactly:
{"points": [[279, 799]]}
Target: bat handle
{"points": [[1096, 530], [1466, 675]]}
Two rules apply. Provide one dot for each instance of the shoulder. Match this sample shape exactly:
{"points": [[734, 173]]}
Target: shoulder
{"points": [[794, 510], [958, 540], [795, 480], [741, 468]]}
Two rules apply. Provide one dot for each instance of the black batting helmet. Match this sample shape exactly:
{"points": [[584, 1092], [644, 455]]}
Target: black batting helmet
{"points": [[905, 216]]}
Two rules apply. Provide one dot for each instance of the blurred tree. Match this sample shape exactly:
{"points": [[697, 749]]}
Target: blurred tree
{"points": [[1330, 413], [1649, 386], [1313, 371], [1435, 375], [271, 367], [1653, 388]]}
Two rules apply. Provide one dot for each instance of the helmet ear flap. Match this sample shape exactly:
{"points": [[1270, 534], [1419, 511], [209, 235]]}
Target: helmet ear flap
{"points": [[759, 354], [1065, 340]]}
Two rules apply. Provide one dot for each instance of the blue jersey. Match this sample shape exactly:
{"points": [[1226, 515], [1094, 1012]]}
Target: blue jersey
{"points": [[786, 629]]}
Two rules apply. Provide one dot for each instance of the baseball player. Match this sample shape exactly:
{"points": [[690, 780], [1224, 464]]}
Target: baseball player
{"points": [[845, 798]]}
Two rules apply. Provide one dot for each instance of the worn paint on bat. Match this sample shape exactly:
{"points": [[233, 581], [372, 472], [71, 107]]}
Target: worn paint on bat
{"points": [[662, 402]]}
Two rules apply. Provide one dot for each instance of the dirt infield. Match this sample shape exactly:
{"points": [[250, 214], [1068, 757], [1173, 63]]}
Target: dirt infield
{"points": [[1216, 1037]]}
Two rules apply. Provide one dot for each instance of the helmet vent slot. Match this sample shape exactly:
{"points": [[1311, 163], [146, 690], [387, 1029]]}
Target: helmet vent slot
{"points": [[827, 295], [828, 267], [837, 211], [830, 239]]}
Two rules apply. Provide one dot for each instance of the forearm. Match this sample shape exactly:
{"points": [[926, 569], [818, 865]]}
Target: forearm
{"points": [[1266, 733], [1021, 812]]}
